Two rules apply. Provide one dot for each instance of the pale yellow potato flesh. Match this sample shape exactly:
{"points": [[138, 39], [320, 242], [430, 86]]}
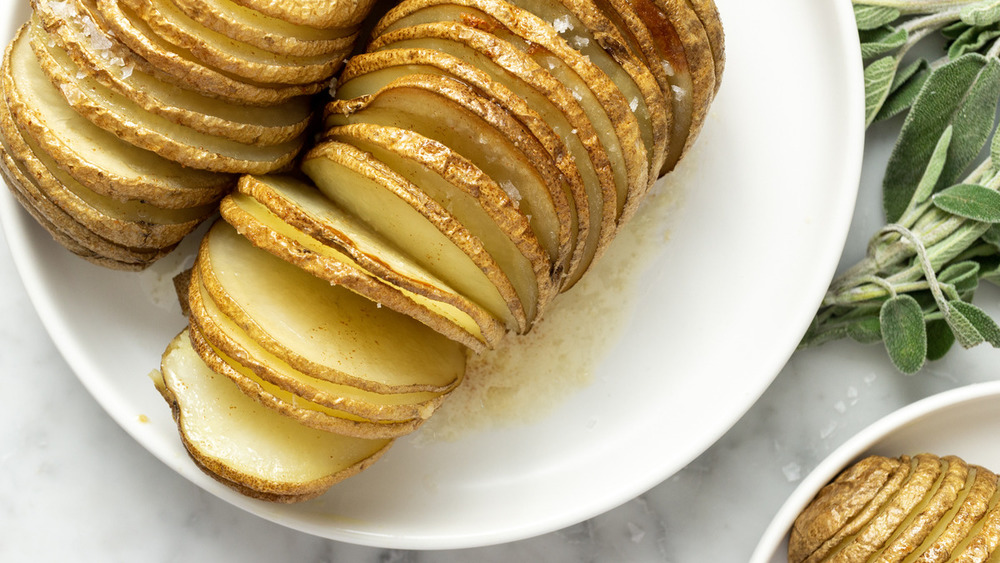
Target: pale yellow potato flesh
{"points": [[603, 103], [119, 69], [414, 223], [240, 441], [369, 72], [230, 55], [549, 97], [294, 220], [970, 508], [321, 329], [184, 68], [266, 32], [471, 125], [470, 196], [98, 159], [130, 122], [229, 339], [316, 403]]}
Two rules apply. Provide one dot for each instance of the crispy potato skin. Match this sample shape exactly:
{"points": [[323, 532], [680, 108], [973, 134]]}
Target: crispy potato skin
{"points": [[921, 509]]}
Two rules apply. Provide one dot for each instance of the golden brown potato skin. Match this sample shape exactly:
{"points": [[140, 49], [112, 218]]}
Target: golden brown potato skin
{"points": [[923, 508]]}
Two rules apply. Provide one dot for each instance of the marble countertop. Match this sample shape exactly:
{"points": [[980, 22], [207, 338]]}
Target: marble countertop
{"points": [[75, 486]]}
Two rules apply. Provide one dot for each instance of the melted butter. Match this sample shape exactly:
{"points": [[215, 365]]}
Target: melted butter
{"points": [[527, 376]]}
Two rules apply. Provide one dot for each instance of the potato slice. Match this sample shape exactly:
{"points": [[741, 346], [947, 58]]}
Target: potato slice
{"points": [[96, 158], [296, 222], [817, 532], [471, 197], [184, 69], [708, 15], [133, 224], [983, 539], [605, 106], [369, 72], [970, 508], [66, 230], [257, 451], [323, 330], [118, 68], [923, 478], [923, 519], [680, 41], [313, 13], [265, 32], [416, 224], [236, 57], [314, 403], [518, 169], [119, 115], [553, 101], [582, 25]]}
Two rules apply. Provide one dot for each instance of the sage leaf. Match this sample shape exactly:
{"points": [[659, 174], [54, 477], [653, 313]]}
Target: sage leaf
{"points": [[865, 331], [983, 323], [971, 201], [983, 13], [974, 39], [940, 339], [962, 93], [878, 80], [963, 275], [955, 30], [885, 42], [966, 333], [904, 333], [901, 97], [871, 17], [935, 165]]}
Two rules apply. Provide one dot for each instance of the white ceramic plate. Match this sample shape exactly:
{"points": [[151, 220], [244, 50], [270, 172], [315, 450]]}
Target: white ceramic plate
{"points": [[767, 201], [960, 422]]}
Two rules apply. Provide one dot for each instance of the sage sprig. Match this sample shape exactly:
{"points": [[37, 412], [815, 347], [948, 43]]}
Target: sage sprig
{"points": [[941, 198]]}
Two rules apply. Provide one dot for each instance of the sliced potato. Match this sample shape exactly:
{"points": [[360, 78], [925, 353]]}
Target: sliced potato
{"points": [[245, 445], [230, 55], [553, 101], [369, 72], [973, 503], [313, 13], [323, 330], [476, 200], [131, 223], [263, 31], [605, 106], [584, 27], [130, 122], [470, 125], [183, 68], [96, 158], [416, 224], [118, 68], [297, 223], [290, 392]]}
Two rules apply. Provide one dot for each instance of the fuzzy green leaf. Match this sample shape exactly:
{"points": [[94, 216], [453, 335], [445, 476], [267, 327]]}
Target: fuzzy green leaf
{"points": [[865, 331], [904, 92], [889, 40], [904, 333], [871, 17], [971, 201], [983, 13], [973, 40], [878, 81], [935, 165], [966, 333], [983, 323], [963, 275], [940, 339], [962, 93]]}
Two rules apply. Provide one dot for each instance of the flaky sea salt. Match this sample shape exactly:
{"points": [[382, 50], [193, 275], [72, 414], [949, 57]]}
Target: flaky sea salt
{"points": [[98, 41], [562, 25], [580, 42], [634, 104], [668, 68], [679, 92], [512, 192], [635, 532]]}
